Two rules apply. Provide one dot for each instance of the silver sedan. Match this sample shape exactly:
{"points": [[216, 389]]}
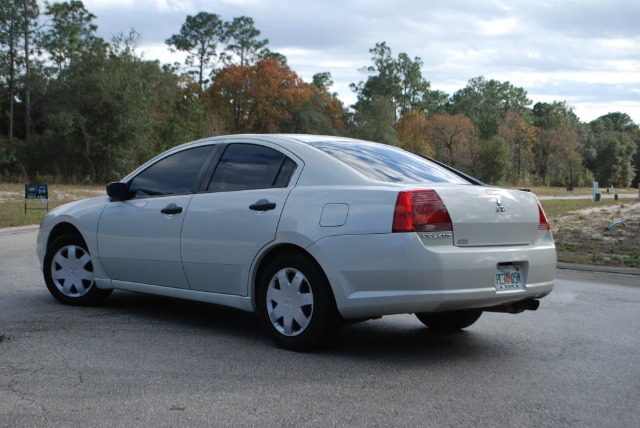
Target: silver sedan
{"points": [[309, 231]]}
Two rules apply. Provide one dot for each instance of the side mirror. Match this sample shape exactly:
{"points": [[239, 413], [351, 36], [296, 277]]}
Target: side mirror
{"points": [[117, 191]]}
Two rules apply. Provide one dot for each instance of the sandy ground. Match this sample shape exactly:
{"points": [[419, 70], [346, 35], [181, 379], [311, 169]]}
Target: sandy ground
{"points": [[587, 236]]}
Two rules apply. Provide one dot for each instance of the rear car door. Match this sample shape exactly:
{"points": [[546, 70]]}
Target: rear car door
{"points": [[139, 239], [235, 215]]}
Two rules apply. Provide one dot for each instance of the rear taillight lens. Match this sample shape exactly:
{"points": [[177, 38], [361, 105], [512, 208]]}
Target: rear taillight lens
{"points": [[543, 223], [420, 211]]}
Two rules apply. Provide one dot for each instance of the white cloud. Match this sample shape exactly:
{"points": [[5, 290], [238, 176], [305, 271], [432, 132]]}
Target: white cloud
{"points": [[497, 27]]}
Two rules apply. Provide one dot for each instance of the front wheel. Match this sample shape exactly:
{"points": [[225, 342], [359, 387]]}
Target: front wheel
{"points": [[449, 321], [68, 272], [295, 303]]}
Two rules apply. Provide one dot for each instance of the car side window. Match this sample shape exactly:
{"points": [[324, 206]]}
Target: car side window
{"points": [[250, 166], [173, 175]]}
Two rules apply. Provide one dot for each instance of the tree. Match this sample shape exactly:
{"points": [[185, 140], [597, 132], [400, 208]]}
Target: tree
{"points": [[30, 14], [434, 102], [70, 34], [486, 101], [375, 121], [321, 112], [453, 140], [383, 82], [413, 134], [413, 88], [569, 159], [322, 81], [493, 160], [268, 54], [199, 37], [398, 80], [16, 18], [11, 26], [230, 97], [520, 137], [615, 138], [111, 112], [243, 46], [557, 124], [617, 122], [259, 98]]}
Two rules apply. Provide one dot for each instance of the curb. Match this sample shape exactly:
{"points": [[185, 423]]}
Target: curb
{"points": [[602, 269]]}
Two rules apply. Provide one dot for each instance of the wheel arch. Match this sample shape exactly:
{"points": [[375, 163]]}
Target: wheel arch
{"points": [[61, 229], [68, 228], [271, 255]]}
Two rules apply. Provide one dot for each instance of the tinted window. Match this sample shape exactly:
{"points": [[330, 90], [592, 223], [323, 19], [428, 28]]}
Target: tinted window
{"points": [[249, 166], [172, 175], [387, 163], [287, 170]]}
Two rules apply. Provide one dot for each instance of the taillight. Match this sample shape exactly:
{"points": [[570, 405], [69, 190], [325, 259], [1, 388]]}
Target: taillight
{"points": [[420, 211], [543, 223]]}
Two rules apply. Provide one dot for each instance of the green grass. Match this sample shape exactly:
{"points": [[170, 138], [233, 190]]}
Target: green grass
{"points": [[577, 191], [556, 208], [12, 202]]}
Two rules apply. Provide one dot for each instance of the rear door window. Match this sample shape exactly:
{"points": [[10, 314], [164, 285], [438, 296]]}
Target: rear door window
{"points": [[250, 166]]}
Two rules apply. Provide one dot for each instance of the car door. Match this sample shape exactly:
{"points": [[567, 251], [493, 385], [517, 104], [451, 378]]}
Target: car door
{"points": [[238, 214], [139, 238]]}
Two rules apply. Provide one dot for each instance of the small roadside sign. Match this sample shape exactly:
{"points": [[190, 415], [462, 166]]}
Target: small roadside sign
{"points": [[36, 192]]}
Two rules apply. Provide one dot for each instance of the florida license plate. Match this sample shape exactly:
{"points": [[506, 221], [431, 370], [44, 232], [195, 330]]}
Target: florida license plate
{"points": [[509, 277]]}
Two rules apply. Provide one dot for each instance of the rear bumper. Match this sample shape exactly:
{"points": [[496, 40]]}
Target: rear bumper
{"points": [[375, 275]]}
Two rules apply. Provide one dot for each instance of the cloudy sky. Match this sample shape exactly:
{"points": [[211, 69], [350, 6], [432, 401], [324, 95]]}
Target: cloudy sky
{"points": [[584, 52]]}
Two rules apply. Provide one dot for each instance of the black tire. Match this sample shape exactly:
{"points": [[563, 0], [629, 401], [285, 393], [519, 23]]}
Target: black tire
{"points": [[68, 272], [307, 318], [449, 321]]}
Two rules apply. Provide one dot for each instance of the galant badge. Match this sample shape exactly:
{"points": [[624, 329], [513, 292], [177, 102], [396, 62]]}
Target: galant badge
{"points": [[499, 207]]}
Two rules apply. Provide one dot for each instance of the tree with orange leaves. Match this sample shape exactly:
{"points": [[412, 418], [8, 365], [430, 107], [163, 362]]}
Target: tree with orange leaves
{"points": [[521, 138], [413, 134], [453, 138], [257, 98]]}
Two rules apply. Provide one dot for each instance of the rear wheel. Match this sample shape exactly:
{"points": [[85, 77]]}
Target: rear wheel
{"points": [[449, 321], [68, 272], [295, 303]]}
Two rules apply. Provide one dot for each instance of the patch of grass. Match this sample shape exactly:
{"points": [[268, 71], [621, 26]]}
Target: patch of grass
{"points": [[565, 246], [12, 212], [555, 208], [577, 191]]}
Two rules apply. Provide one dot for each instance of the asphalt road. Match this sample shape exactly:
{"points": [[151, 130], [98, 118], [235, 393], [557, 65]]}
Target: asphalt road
{"points": [[149, 361]]}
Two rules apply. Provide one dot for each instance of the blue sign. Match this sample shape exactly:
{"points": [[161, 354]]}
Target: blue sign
{"points": [[36, 191]]}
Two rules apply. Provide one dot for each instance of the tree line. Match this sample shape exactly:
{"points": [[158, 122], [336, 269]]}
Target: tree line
{"points": [[78, 108]]}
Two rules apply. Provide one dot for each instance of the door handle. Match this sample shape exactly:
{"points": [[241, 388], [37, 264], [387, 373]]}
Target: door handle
{"points": [[263, 206], [171, 209]]}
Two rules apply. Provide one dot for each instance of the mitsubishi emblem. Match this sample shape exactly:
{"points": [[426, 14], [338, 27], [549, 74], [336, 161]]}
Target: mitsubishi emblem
{"points": [[499, 207]]}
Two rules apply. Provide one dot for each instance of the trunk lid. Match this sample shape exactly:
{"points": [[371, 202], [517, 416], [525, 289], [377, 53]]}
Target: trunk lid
{"points": [[484, 216]]}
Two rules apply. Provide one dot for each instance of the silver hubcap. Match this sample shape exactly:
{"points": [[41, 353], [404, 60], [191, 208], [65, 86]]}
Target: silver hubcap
{"points": [[72, 271], [289, 302]]}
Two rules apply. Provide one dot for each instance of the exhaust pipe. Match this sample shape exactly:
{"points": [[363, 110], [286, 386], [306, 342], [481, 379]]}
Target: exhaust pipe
{"points": [[515, 307]]}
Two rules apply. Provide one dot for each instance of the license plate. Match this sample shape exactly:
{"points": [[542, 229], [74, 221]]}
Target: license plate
{"points": [[509, 277]]}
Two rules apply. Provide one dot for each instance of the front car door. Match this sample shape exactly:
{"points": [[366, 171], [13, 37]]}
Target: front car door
{"points": [[139, 239], [235, 216]]}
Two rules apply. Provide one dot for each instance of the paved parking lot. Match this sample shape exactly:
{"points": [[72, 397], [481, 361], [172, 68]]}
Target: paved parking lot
{"points": [[150, 361]]}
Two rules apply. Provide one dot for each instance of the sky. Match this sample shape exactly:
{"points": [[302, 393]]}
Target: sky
{"points": [[584, 52]]}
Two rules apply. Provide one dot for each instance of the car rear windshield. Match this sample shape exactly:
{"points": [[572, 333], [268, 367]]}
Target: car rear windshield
{"points": [[386, 163]]}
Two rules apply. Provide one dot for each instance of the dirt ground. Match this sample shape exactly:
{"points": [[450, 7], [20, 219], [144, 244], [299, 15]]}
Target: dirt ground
{"points": [[592, 236]]}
